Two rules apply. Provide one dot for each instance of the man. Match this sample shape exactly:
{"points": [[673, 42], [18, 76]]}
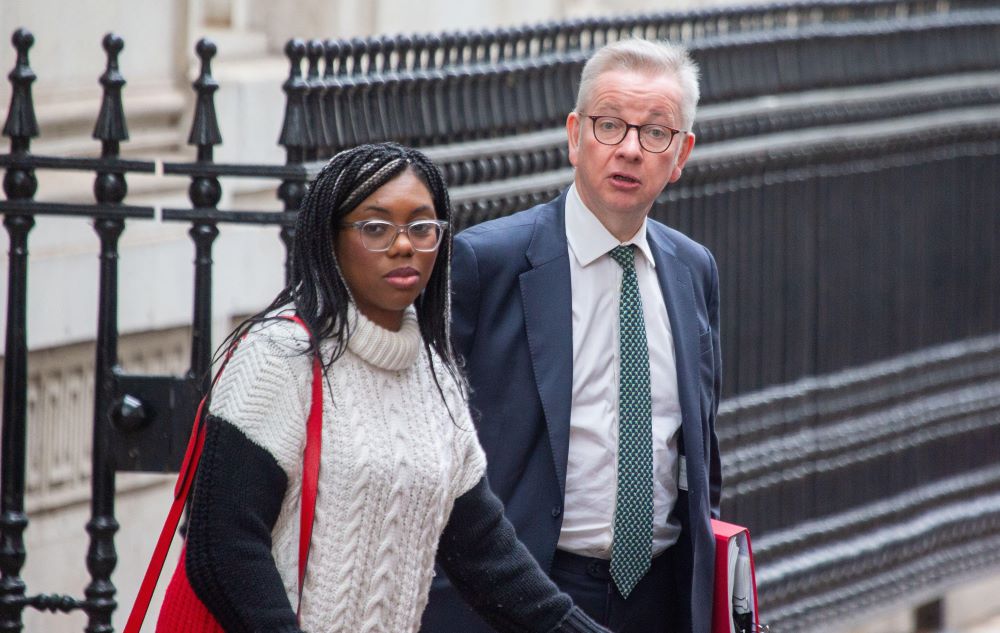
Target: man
{"points": [[591, 341]]}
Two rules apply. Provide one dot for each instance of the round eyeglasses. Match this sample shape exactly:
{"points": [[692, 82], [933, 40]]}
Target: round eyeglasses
{"points": [[654, 138], [379, 235]]}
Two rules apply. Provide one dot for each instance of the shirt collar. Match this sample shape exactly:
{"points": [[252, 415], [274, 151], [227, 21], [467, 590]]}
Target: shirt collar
{"points": [[587, 237]]}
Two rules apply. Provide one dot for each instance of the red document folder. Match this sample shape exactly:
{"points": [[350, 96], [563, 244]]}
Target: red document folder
{"points": [[730, 541]]}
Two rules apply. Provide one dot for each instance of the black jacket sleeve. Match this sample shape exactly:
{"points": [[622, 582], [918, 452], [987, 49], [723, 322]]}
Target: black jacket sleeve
{"points": [[238, 492], [497, 575]]}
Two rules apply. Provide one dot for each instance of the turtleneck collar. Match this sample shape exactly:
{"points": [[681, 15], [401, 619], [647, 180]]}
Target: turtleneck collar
{"points": [[381, 347]]}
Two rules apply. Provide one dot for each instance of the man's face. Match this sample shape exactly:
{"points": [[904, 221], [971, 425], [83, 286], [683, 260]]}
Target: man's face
{"points": [[619, 183]]}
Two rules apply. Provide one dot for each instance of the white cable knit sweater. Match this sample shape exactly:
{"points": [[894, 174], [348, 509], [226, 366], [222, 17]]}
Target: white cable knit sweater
{"points": [[393, 463]]}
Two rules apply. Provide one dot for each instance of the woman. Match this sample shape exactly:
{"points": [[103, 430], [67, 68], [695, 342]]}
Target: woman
{"points": [[402, 475]]}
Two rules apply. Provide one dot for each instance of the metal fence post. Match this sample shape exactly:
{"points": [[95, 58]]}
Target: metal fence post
{"points": [[205, 193], [18, 184], [109, 189], [295, 136]]}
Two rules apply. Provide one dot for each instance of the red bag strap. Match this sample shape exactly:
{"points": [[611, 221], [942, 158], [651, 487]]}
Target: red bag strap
{"points": [[189, 466], [310, 468]]}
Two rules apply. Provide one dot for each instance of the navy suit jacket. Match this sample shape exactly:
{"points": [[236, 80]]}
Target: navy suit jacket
{"points": [[512, 325]]}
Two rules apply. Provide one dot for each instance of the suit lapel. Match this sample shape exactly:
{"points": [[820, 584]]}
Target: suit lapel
{"points": [[675, 283], [548, 316]]}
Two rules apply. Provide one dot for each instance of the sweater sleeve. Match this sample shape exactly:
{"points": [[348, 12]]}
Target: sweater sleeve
{"points": [[496, 574], [470, 453], [265, 391], [237, 497]]}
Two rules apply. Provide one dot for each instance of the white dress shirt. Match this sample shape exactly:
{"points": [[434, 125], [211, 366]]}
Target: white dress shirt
{"points": [[591, 474]]}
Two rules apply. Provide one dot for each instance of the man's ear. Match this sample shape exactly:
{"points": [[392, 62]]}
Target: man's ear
{"points": [[682, 155], [573, 136]]}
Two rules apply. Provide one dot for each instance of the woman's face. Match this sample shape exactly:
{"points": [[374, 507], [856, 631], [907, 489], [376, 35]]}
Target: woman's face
{"points": [[384, 284]]}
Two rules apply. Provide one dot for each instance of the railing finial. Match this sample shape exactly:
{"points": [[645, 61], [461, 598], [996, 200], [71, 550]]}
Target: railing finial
{"points": [[316, 90], [331, 51], [295, 133], [314, 53], [110, 128], [205, 126], [388, 45], [403, 46], [21, 123], [359, 49]]}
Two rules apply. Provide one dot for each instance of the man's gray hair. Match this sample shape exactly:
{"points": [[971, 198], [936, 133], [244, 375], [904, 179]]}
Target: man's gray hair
{"points": [[659, 57]]}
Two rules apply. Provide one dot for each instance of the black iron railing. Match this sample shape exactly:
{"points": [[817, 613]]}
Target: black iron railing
{"points": [[123, 404], [844, 178]]}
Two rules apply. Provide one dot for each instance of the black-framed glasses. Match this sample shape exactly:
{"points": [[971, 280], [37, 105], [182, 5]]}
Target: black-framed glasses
{"points": [[653, 137], [379, 235]]}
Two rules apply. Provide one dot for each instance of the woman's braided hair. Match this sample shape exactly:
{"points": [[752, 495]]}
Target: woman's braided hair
{"points": [[315, 285]]}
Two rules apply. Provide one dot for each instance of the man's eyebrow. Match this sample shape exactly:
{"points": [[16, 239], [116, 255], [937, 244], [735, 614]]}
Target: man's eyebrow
{"points": [[611, 105]]}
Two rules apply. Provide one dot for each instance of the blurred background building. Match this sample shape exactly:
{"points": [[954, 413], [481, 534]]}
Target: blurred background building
{"points": [[155, 284]]}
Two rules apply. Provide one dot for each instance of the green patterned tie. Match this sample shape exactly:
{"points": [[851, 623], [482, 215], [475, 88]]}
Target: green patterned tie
{"points": [[632, 546]]}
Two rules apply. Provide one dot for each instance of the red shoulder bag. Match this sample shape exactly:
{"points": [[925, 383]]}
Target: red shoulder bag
{"points": [[182, 611]]}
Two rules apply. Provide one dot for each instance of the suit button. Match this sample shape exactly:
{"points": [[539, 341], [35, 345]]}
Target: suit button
{"points": [[556, 511]]}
